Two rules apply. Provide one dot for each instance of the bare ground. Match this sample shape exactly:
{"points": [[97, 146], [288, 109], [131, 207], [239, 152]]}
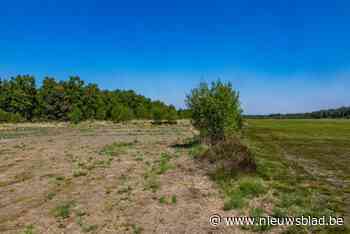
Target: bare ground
{"points": [[43, 170]]}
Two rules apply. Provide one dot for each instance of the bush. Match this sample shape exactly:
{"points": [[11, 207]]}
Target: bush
{"points": [[75, 116], [8, 117], [215, 111], [232, 155]]}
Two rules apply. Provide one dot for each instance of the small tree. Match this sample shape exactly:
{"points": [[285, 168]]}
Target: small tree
{"points": [[215, 110]]}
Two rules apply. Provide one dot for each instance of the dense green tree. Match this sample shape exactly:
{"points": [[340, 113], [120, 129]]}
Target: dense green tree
{"points": [[74, 100], [51, 100], [216, 110], [18, 96]]}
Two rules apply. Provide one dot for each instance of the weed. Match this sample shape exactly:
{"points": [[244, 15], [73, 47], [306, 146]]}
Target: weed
{"points": [[151, 182], [164, 164], [63, 210], [162, 200], [173, 199]]}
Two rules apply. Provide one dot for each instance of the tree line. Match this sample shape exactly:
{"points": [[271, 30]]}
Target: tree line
{"points": [[73, 100], [342, 112]]}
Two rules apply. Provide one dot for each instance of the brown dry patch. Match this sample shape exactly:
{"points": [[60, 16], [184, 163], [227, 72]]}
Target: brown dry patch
{"points": [[107, 193]]}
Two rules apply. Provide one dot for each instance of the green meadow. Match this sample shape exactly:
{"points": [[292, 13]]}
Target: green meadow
{"points": [[305, 164]]}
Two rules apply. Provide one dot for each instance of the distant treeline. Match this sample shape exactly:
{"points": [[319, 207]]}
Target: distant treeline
{"points": [[73, 100], [342, 112]]}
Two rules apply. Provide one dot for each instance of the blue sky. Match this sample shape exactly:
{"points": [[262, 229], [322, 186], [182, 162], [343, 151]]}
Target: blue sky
{"points": [[283, 56]]}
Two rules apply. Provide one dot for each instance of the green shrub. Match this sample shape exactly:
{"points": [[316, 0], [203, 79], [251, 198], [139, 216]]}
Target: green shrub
{"points": [[216, 110], [8, 117], [75, 116]]}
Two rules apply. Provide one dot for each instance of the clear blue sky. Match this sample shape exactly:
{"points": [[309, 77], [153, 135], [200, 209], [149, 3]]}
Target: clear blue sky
{"points": [[283, 56]]}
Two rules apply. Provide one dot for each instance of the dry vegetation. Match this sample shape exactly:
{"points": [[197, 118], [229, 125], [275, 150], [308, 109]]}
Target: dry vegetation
{"points": [[102, 178]]}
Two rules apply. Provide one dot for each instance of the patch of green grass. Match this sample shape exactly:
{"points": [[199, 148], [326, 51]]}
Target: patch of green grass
{"points": [[115, 149], [28, 230], [173, 199], [164, 163], [234, 201], [136, 229], [63, 210], [251, 186], [238, 188], [162, 200], [20, 132], [197, 151], [168, 200], [51, 195], [84, 227], [152, 182], [305, 164], [258, 212]]}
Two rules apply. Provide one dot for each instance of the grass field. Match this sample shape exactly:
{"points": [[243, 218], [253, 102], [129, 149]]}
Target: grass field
{"points": [[99, 177], [306, 163]]}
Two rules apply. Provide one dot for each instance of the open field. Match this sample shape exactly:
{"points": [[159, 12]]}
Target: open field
{"points": [[142, 178], [307, 164]]}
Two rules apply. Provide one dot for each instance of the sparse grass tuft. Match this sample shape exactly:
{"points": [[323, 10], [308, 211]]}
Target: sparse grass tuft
{"points": [[251, 186], [173, 199], [164, 164], [29, 230], [115, 149], [162, 200], [51, 195], [197, 151], [63, 210], [136, 229]]}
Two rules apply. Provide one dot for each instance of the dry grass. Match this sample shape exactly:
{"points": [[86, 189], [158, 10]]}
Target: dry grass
{"points": [[102, 178]]}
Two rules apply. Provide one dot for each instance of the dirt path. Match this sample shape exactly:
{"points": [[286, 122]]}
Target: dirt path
{"points": [[105, 179]]}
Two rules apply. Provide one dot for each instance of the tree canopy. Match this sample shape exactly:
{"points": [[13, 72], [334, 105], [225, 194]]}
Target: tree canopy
{"points": [[72, 99]]}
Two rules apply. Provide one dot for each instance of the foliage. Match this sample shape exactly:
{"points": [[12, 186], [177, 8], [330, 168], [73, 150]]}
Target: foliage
{"points": [[76, 101], [342, 112], [75, 115], [10, 117], [216, 110], [121, 113]]}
